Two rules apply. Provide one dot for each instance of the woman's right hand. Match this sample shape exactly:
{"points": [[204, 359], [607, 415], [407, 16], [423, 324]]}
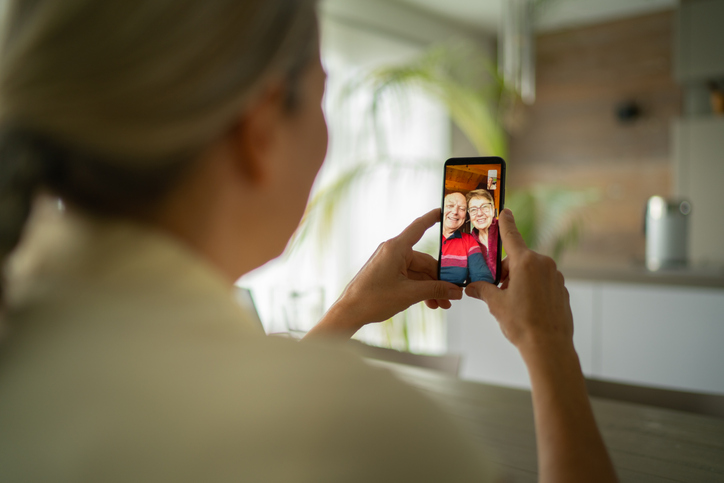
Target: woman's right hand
{"points": [[534, 312], [532, 305]]}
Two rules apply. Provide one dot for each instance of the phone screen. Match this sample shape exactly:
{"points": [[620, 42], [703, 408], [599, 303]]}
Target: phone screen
{"points": [[473, 196]]}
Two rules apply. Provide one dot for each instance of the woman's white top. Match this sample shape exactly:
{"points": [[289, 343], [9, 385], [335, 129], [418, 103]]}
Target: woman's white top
{"points": [[125, 358]]}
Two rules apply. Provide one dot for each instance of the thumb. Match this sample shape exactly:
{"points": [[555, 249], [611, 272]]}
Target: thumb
{"points": [[487, 292], [434, 290]]}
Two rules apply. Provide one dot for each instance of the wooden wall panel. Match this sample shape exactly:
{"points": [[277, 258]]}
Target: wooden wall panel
{"points": [[463, 179], [572, 137]]}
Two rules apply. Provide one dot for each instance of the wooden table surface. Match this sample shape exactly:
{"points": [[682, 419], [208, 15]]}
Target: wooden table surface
{"points": [[647, 444]]}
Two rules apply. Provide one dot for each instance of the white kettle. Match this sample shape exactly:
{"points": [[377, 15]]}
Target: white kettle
{"points": [[666, 233]]}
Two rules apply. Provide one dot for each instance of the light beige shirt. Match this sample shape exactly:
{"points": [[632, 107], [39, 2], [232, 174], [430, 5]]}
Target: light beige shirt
{"points": [[124, 358]]}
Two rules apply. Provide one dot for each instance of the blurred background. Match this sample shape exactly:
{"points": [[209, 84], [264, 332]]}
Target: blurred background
{"points": [[596, 105]]}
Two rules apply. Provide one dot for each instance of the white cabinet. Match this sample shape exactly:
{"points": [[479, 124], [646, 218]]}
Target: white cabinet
{"points": [[487, 354], [584, 300], [651, 335], [670, 337]]}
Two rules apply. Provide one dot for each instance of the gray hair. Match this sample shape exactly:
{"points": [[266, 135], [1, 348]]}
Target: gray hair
{"points": [[103, 101], [480, 193]]}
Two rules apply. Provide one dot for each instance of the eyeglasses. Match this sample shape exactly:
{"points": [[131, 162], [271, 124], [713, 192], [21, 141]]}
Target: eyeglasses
{"points": [[486, 209]]}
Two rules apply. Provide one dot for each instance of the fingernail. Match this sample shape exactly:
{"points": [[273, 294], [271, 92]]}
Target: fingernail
{"points": [[509, 214]]}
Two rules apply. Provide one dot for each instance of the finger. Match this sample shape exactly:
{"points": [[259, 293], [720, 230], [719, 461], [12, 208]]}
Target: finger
{"points": [[423, 263], [417, 228], [512, 239], [433, 290], [504, 273], [438, 304], [487, 292], [444, 304], [433, 304], [504, 269]]}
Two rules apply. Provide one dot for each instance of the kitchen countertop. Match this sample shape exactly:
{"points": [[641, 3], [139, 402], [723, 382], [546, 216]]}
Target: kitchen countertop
{"points": [[702, 276]]}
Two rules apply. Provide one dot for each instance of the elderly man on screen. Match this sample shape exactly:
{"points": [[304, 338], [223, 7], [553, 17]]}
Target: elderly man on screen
{"points": [[461, 259]]}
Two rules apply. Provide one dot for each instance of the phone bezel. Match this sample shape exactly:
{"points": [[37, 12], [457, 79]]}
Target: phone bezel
{"points": [[501, 185]]}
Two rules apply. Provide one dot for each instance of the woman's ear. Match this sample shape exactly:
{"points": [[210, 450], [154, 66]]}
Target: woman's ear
{"points": [[255, 136]]}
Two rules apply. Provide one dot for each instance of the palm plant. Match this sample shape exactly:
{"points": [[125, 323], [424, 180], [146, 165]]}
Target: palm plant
{"points": [[467, 84], [463, 80]]}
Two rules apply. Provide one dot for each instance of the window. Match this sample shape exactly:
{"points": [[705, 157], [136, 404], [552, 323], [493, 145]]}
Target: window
{"points": [[377, 177]]}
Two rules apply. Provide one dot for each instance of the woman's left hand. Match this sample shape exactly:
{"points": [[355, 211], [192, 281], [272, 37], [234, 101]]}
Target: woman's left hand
{"points": [[393, 279]]}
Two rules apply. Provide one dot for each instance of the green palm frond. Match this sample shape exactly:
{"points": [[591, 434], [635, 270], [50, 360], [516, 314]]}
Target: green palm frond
{"points": [[523, 204], [462, 80], [323, 206], [551, 218], [470, 88], [562, 218], [468, 85]]}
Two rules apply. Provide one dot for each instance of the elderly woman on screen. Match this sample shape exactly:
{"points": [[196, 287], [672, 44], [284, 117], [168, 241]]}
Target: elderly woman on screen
{"points": [[169, 128], [481, 208]]}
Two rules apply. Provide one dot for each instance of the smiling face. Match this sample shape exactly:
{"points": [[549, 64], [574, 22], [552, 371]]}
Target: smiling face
{"points": [[481, 213], [454, 210]]}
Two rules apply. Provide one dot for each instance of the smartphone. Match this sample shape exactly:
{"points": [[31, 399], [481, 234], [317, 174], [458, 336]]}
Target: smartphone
{"points": [[473, 196]]}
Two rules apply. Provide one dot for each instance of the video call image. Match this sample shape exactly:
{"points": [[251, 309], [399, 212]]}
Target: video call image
{"points": [[469, 245]]}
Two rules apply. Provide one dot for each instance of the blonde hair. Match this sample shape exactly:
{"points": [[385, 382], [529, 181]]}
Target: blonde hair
{"points": [[104, 100], [144, 79]]}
